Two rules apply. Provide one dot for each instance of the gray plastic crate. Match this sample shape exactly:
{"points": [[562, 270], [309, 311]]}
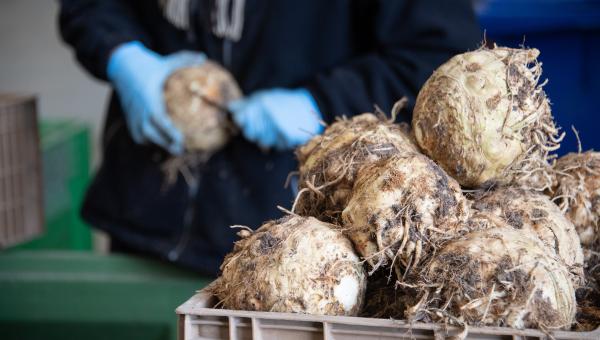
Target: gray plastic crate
{"points": [[21, 205], [198, 320]]}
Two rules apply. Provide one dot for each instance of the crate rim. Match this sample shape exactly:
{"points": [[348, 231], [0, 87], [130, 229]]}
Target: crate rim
{"points": [[8, 98], [195, 306]]}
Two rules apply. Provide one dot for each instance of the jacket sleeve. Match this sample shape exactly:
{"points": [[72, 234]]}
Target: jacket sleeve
{"points": [[409, 40], [95, 27]]}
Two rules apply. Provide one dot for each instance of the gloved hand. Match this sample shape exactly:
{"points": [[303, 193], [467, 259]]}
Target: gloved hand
{"points": [[278, 118], [138, 74]]}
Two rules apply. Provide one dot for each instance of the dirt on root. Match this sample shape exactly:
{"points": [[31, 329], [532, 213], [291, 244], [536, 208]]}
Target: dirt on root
{"points": [[459, 274], [443, 193], [519, 282], [543, 313], [460, 280], [268, 243], [514, 218], [394, 180], [539, 213]]}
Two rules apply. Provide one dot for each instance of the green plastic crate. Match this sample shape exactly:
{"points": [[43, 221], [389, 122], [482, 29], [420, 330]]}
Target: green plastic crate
{"points": [[66, 172], [80, 295]]}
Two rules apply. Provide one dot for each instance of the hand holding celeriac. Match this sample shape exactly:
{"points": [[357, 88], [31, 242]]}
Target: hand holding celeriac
{"points": [[138, 75]]}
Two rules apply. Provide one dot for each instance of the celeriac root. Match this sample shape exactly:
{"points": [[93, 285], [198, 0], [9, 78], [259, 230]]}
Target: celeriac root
{"points": [[295, 264], [484, 117], [204, 126], [329, 162], [577, 192], [535, 213], [499, 276], [401, 209]]}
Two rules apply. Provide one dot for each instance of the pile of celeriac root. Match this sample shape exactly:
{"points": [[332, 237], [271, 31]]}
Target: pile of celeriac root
{"points": [[468, 218]]}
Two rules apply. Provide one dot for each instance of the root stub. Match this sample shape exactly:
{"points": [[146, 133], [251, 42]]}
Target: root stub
{"points": [[485, 119], [500, 277], [295, 264], [329, 162]]}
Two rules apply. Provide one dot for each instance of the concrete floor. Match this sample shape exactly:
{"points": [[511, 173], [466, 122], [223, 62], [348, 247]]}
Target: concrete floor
{"points": [[33, 59]]}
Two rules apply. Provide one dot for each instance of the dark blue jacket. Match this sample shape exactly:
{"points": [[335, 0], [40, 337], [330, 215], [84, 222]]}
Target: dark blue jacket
{"points": [[350, 54]]}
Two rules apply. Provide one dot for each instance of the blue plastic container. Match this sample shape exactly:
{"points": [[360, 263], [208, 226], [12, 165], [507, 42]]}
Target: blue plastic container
{"points": [[567, 32]]}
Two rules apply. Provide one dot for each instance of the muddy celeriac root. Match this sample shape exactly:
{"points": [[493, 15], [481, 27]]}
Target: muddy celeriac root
{"points": [[577, 192], [193, 96], [295, 264], [328, 163], [401, 209], [485, 118], [499, 276], [534, 213]]}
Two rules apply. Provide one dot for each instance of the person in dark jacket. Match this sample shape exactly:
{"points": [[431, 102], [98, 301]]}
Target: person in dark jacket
{"points": [[298, 62]]}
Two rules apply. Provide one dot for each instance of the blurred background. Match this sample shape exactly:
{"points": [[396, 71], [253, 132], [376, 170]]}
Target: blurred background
{"points": [[63, 276], [567, 34]]}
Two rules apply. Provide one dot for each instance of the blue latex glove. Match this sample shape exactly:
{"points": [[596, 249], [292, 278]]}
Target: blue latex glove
{"points": [[138, 74], [278, 118]]}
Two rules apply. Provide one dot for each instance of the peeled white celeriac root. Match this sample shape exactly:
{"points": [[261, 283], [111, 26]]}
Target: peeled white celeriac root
{"points": [[295, 264], [577, 192], [534, 213], [401, 208], [500, 276], [485, 119], [204, 126], [328, 163]]}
